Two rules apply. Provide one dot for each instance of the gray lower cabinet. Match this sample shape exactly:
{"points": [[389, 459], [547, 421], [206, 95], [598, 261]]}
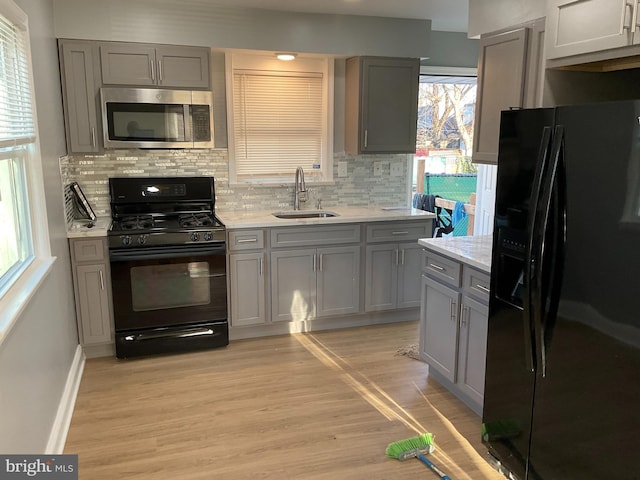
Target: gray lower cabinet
{"points": [[392, 276], [472, 348], [247, 288], [92, 287], [453, 326], [154, 65], [315, 282], [80, 72], [439, 332]]}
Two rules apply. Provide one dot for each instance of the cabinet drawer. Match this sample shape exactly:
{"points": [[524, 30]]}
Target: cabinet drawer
{"points": [[323, 235], [245, 240], [88, 250], [400, 231], [476, 283], [442, 268]]}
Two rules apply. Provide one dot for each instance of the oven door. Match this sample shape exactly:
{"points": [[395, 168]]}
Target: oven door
{"points": [[168, 286]]}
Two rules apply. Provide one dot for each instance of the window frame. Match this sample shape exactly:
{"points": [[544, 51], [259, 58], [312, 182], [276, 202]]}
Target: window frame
{"points": [[260, 61], [16, 294]]}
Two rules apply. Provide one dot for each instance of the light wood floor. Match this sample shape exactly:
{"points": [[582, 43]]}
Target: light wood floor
{"points": [[306, 406]]}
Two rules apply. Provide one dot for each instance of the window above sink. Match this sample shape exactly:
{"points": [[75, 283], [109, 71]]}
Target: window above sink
{"points": [[280, 117]]}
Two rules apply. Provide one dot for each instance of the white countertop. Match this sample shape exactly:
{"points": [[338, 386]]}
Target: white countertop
{"points": [[79, 228], [474, 251], [265, 218]]}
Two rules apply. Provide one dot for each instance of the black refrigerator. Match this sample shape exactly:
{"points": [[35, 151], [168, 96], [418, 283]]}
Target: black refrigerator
{"points": [[562, 386]]}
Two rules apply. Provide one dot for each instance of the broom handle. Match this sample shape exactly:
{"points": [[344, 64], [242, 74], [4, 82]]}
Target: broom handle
{"points": [[429, 464]]}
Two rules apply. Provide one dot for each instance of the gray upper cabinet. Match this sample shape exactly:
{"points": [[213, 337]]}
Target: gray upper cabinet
{"points": [[381, 104], [154, 65], [584, 26], [80, 71], [510, 75], [501, 83]]}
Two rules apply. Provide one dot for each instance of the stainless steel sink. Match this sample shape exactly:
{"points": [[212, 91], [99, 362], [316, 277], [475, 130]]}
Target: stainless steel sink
{"points": [[304, 214]]}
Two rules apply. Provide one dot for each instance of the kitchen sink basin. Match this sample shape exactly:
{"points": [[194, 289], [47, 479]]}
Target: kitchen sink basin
{"points": [[304, 214]]}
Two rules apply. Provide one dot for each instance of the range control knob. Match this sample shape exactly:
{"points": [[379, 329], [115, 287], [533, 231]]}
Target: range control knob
{"points": [[142, 239], [208, 236], [126, 240], [195, 236]]}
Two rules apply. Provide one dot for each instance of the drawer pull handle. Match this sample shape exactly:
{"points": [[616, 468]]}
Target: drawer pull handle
{"points": [[437, 267], [248, 240], [483, 288], [399, 233]]}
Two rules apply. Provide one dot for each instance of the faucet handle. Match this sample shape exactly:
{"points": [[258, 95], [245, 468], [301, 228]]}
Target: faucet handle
{"points": [[319, 204]]}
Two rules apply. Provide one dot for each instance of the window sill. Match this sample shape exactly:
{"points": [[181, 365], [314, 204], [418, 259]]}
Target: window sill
{"points": [[17, 297]]}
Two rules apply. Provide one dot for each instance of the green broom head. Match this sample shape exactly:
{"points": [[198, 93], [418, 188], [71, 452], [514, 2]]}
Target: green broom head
{"points": [[421, 442]]}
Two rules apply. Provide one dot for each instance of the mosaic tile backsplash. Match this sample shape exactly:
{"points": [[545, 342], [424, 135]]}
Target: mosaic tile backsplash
{"points": [[359, 187]]}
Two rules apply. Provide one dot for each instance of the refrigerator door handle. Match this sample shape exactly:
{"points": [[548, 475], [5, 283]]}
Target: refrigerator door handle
{"points": [[531, 261], [553, 189]]}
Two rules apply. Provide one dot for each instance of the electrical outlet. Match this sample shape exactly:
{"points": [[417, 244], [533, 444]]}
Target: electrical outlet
{"points": [[396, 169], [342, 169], [377, 169]]}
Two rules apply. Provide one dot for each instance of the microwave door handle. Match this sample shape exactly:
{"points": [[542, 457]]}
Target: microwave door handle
{"points": [[188, 127]]}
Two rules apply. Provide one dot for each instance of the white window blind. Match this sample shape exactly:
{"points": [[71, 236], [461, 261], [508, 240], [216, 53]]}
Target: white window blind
{"points": [[278, 122], [16, 115]]}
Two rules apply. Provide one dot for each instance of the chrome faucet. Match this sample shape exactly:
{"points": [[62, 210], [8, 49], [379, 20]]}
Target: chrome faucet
{"points": [[299, 189]]}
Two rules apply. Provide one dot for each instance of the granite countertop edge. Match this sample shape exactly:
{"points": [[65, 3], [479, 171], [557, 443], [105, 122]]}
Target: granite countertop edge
{"points": [[265, 218], [80, 228], [474, 251]]}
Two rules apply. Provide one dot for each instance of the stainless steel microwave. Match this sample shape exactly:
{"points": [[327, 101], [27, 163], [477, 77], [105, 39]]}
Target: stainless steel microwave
{"points": [[156, 118]]}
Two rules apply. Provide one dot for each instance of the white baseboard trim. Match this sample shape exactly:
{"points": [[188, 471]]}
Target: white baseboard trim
{"points": [[60, 428]]}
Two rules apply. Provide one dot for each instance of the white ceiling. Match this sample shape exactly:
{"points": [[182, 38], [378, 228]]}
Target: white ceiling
{"points": [[447, 15]]}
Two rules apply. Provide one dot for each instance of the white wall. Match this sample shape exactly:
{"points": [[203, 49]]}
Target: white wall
{"points": [[36, 355], [198, 23], [486, 16]]}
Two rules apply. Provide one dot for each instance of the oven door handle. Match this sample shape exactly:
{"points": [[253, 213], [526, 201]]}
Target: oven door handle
{"points": [[151, 253]]}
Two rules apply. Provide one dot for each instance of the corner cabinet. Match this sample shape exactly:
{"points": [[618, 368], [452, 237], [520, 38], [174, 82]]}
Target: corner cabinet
{"points": [[584, 26], [393, 265], [92, 287], [381, 105], [154, 65], [80, 70], [510, 72], [453, 326]]}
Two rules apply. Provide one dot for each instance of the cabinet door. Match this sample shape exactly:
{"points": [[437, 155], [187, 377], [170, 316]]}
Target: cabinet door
{"points": [[439, 327], [584, 26], [247, 277], [186, 67], [409, 274], [381, 289], [338, 281], [501, 81], [128, 64], [293, 285], [472, 348], [93, 303], [80, 87], [389, 100]]}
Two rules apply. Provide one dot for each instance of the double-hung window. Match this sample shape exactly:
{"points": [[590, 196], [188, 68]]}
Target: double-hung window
{"points": [[24, 242], [280, 117]]}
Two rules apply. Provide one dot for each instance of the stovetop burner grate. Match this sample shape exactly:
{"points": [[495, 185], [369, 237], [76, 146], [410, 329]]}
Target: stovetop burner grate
{"points": [[137, 222], [195, 220]]}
